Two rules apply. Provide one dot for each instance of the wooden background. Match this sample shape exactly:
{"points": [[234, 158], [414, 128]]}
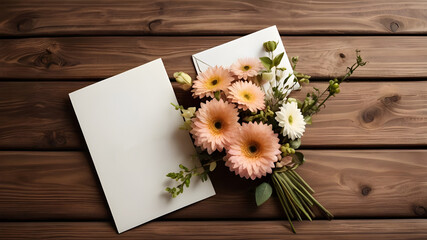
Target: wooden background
{"points": [[366, 152]]}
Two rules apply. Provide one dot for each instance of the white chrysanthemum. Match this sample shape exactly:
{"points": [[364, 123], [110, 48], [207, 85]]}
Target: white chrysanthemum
{"points": [[291, 120]]}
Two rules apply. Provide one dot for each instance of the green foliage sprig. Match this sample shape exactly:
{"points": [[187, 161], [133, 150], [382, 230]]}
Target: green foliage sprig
{"points": [[314, 101], [184, 176]]}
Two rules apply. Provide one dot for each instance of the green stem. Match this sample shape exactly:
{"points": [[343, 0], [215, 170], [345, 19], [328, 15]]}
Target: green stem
{"points": [[295, 196], [293, 188], [299, 188], [295, 174], [291, 199], [282, 199], [318, 107]]}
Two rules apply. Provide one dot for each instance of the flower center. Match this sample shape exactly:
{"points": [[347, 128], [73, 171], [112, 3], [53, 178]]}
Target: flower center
{"points": [[253, 148], [216, 127], [290, 119], [214, 82], [247, 96], [246, 67]]}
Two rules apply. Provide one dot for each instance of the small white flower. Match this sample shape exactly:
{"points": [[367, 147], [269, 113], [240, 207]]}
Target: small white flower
{"points": [[188, 113], [291, 120]]}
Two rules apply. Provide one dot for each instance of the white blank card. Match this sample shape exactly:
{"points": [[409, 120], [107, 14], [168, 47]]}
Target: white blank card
{"points": [[133, 136]]}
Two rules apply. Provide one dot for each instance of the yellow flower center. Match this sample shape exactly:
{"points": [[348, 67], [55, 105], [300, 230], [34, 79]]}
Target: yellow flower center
{"points": [[246, 68], [290, 119], [213, 83], [247, 96]]}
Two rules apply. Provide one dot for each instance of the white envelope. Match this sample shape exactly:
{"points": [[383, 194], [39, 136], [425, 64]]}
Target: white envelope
{"points": [[133, 136], [249, 46]]}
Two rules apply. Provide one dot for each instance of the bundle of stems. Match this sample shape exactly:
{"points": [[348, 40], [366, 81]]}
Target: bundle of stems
{"points": [[295, 196]]}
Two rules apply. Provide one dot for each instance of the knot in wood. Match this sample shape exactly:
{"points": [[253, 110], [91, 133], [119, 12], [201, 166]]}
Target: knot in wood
{"points": [[153, 24], [370, 114], [420, 211], [49, 58], [55, 138], [390, 100], [366, 190], [25, 25], [394, 26]]}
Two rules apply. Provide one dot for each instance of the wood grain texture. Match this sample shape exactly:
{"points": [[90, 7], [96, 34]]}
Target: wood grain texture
{"points": [[350, 183], [338, 229], [102, 57], [66, 17], [39, 115]]}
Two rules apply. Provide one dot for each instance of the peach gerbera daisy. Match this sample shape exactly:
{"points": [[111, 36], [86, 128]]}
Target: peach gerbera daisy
{"points": [[246, 67], [213, 125], [247, 95], [253, 150], [212, 80]]}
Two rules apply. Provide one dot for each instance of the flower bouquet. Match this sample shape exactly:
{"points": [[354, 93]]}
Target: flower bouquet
{"points": [[247, 120]]}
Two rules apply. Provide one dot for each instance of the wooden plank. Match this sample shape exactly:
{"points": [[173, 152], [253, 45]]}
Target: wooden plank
{"points": [[388, 229], [37, 18], [39, 115], [101, 57], [350, 183]]}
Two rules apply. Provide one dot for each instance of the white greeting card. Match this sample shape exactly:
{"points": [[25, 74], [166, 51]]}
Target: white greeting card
{"points": [[249, 46], [133, 136]]}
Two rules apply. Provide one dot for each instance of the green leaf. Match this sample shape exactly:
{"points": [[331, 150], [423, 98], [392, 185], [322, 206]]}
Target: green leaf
{"points": [[212, 166], [266, 61], [295, 144], [183, 167], [277, 59], [263, 193], [307, 119], [218, 95], [298, 158]]}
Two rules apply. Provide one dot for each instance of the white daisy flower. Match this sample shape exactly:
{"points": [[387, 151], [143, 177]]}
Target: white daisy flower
{"points": [[291, 120]]}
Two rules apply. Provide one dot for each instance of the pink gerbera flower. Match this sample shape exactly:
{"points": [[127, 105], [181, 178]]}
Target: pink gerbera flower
{"points": [[246, 67], [213, 125], [247, 95], [253, 150], [212, 80]]}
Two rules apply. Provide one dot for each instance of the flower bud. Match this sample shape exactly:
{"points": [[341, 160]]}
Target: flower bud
{"points": [[292, 100], [188, 113], [283, 148], [337, 90], [295, 59], [335, 86], [270, 46], [183, 78], [267, 76]]}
